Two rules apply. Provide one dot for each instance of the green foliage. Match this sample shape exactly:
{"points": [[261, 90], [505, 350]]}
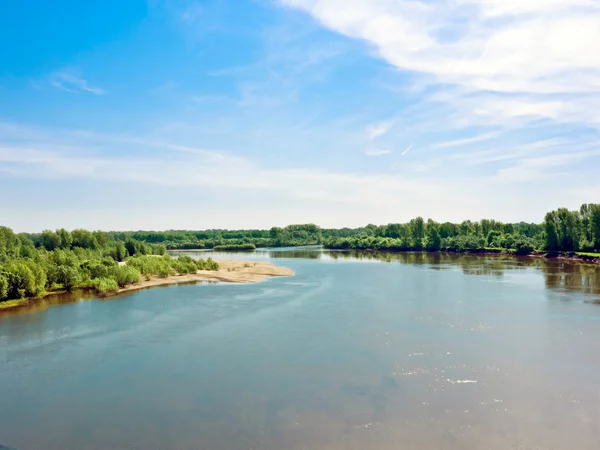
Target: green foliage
{"points": [[50, 240], [68, 276], [523, 245], [33, 263], [3, 286], [104, 285], [25, 278], [166, 266], [124, 275], [207, 264], [433, 240], [235, 247]]}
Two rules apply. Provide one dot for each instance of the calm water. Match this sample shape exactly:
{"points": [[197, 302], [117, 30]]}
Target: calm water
{"points": [[414, 351]]}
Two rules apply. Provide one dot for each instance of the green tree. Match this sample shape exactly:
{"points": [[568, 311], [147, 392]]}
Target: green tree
{"points": [[417, 232], [550, 227], [66, 240], [68, 277], [120, 251], [594, 225], [433, 241], [50, 240], [3, 286], [84, 239]]}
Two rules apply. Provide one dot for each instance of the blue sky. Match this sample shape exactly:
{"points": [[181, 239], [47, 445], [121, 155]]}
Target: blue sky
{"points": [[171, 114]]}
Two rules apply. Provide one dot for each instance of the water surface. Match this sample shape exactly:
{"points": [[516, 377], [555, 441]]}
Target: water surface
{"points": [[355, 351]]}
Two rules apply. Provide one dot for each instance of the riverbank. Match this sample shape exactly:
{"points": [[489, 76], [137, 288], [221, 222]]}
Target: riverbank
{"points": [[577, 257], [230, 271]]}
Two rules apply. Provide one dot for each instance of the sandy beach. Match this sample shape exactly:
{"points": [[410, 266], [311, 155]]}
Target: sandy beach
{"points": [[230, 271]]}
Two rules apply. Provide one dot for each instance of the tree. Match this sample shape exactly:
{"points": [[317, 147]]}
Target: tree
{"points": [[433, 241], [50, 240], [9, 242], [3, 286], [551, 231], [84, 239], [493, 236], [66, 240], [67, 276], [417, 232], [568, 229], [120, 251], [594, 225]]}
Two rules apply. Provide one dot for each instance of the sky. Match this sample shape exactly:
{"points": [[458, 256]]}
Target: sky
{"points": [[195, 114]]}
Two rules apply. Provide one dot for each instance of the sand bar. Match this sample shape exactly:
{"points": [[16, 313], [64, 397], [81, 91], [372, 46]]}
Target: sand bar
{"points": [[230, 271]]}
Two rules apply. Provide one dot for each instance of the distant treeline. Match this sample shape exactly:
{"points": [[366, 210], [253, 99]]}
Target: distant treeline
{"points": [[31, 265], [290, 236], [561, 231]]}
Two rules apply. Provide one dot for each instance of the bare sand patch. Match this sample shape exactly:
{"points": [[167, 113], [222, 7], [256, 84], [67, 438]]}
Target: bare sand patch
{"points": [[230, 271]]}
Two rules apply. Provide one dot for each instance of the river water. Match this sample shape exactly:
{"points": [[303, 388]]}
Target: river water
{"points": [[411, 351]]}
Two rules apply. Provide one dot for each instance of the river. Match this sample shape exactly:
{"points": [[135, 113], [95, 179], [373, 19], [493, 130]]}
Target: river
{"points": [[411, 351]]}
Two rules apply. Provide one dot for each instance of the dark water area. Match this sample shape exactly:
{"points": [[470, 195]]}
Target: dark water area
{"points": [[356, 351]]}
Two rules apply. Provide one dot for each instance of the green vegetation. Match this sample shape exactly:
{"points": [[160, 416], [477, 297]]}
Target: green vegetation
{"points": [[236, 247], [290, 236], [590, 254], [33, 265], [562, 231]]}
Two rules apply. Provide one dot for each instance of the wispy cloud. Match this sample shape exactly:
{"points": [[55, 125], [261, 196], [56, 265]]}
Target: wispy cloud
{"points": [[533, 50], [407, 150], [466, 141], [72, 156], [377, 130], [377, 152], [70, 82]]}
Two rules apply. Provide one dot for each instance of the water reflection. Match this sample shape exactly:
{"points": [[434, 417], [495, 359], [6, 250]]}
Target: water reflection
{"points": [[558, 273]]}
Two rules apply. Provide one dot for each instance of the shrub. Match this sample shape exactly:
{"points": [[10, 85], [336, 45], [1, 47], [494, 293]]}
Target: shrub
{"points": [[105, 285], [125, 275]]}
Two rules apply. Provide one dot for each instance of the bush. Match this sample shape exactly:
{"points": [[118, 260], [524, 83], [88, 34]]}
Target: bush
{"points": [[207, 264], [67, 276], [523, 246], [125, 275], [235, 247], [3, 287], [104, 285]]}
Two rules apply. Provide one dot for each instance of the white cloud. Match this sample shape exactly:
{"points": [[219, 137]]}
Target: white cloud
{"points": [[466, 141], [70, 82], [533, 48], [377, 152], [377, 130]]}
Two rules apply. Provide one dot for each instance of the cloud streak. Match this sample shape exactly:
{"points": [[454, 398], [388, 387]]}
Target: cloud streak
{"points": [[68, 81]]}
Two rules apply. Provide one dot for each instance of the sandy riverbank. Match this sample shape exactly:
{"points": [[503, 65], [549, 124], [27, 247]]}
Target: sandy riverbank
{"points": [[230, 271]]}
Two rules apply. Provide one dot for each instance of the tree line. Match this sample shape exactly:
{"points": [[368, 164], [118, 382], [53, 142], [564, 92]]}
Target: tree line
{"points": [[561, 231], [290, 236], [31, 265]]}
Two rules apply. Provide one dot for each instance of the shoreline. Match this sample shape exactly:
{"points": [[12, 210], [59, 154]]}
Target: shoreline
{"points": [[230, 271], [574, 258]]}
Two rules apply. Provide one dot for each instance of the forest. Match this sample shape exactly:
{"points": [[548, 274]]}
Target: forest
{"points": [[33, 264], [561, 231]]}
